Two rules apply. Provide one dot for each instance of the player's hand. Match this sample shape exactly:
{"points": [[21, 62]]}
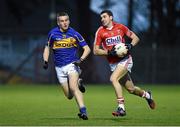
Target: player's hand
{"points": [[129, 46], [112, 52], [78, 62], [45, 65]]}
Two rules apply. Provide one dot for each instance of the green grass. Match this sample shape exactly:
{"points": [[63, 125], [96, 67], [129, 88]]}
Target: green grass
{"points": [[46, 105]]}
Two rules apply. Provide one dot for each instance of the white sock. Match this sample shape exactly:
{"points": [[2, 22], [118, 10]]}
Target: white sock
{"points": [[121, 106], [146, 95], [120, 102]]}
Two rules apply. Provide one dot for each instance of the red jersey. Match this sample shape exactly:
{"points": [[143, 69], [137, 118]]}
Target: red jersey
{"points": [[107, 38]]}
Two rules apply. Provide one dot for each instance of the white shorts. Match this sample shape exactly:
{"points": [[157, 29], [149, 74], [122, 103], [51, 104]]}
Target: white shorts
{"points": [[63, 72], [127, 62]]}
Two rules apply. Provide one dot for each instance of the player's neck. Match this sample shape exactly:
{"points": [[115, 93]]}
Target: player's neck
{"points": [[62, 30], [109, 26]]}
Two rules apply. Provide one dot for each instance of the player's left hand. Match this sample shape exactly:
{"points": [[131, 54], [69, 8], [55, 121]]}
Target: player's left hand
{"points": [[129, 46], [78, 62]]}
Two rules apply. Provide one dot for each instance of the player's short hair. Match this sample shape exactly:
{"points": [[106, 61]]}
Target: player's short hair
{"points": [[108, 12], [62, 14]]}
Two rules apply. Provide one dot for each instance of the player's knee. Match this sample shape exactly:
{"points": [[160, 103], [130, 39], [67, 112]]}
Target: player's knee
{"points": [[72, 89], [113, 79], [130, 90]]}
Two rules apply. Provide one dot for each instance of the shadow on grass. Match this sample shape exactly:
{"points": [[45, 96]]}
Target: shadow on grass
{"points": [[115, 119], [60, 118]]}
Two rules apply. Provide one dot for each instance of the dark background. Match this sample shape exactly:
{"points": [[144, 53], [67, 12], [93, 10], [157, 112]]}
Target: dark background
{"points": [[24, 26]]}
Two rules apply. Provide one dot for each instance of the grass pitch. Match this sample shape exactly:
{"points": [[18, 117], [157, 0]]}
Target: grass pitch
{"points": [[25, 105]]}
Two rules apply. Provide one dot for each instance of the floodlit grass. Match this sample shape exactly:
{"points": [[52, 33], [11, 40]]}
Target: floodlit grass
{"points": [[46, 105]]}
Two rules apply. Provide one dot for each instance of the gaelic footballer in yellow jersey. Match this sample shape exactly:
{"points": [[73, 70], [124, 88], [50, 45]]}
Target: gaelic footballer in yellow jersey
{"points": [[65, 45], [65, 42]]}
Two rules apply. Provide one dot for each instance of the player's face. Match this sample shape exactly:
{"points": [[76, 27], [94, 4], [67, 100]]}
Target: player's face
{"points": [[63, 22], [106, 20]]}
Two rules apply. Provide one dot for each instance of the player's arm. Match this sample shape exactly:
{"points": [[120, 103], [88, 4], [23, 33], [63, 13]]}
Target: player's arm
{"points": [[46, 56], [101, 52], [46, 53], [86, 52], [135, 38], [98, 51]]}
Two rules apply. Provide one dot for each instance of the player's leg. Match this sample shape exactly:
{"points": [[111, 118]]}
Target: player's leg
{"points": [[66, 90], [81, 85], [118, 73], [68, 77], [120, 69], [127, 82], [131, 88], [63, 80], [73, 84]]}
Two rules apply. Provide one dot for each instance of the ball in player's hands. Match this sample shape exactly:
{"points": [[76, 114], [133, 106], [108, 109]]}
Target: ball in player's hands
{"points": [[121, 50]]}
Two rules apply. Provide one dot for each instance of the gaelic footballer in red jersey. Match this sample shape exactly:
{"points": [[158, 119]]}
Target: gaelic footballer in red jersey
{"points": [[107, 36], [111, 37]]}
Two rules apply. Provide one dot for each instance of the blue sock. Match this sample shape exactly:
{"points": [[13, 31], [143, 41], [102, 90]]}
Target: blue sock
{"points": [[82, 110]]}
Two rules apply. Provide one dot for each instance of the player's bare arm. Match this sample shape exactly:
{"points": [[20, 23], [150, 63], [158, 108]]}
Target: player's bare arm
{"points": [[46, 56], [86, 52], [98, 51], [46, 53], [135, 39]]}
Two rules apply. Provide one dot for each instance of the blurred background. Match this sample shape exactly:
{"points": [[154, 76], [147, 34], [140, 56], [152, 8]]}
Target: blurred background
{"points": [[24, 26]]}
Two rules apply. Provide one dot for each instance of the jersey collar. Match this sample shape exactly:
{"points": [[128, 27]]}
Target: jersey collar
{"points": [[113, 24]]}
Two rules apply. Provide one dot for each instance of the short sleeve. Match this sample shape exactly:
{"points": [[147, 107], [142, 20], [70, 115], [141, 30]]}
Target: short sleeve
{"points": [[80, 40], [98, 39], [126, 30], [50, 39]]}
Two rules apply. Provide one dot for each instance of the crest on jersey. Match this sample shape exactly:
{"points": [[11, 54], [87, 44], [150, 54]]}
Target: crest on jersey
{"points": [[64, 36]]}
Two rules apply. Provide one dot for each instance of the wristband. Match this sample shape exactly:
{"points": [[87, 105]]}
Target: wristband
{"points": [[81, 59]]}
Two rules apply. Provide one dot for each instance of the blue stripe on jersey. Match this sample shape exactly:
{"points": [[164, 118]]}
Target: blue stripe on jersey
{"points": [[64, 45]]}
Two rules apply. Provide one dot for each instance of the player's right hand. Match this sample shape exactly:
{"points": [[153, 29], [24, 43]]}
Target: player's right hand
{"points": [[45, 65], [112, 52]]}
